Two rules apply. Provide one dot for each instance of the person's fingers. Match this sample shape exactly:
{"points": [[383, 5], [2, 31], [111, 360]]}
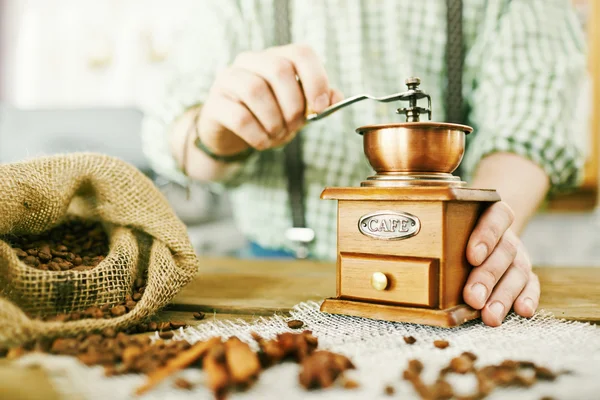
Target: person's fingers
{"points": [[529, 299], [227, 113], [255, 94], [488, 232], [312, 74], [483, 279], [505, 293], [280, 74]]}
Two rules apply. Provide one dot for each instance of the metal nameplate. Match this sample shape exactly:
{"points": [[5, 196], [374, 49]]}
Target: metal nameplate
{"points": [[389, 225]]}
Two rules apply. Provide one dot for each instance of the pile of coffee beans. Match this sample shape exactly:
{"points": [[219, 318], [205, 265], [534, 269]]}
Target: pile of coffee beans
{"points": [[233, 365], [509, 373], [77, 244], [115, 351], [229, 365]]}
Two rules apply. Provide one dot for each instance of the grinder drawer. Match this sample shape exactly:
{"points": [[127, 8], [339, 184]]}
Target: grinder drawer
{"points": [[389, 279]]}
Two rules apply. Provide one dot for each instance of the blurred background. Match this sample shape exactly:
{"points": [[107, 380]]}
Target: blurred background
{"points": [[74, 76]]}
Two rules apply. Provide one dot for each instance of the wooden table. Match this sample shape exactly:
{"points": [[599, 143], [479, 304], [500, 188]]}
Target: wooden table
{"points": [[262, 287], [246, 289]]}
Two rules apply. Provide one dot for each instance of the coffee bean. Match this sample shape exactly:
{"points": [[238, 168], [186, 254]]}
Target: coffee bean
{"points": [[54, 266], [64, 346], [166, 335], [75, 316], [461, 364], [198, 315], [350, 384], [117, 311], [94, 312], [441, 344], [177, 324], [32, 252], [415, 366], [295, 324], [409, 339], [44, 256], [65, 266], [389, 390], [164, 326], [183, 384], [130, 304], [137, 296], [32, 261], [20, 253], [152, 326]]}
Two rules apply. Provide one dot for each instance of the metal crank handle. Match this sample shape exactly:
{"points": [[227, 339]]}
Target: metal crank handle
{"points": [[335, 107]]}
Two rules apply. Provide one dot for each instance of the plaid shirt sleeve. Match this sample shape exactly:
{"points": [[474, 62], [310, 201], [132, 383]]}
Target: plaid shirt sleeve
{"points": [[524, 88]]}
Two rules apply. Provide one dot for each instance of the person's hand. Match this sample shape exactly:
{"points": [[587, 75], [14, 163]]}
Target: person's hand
{"points": [[502, 277], [259, 102]]}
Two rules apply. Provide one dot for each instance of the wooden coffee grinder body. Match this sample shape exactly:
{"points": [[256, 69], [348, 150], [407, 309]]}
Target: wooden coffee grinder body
{"points": [[401, 252]]}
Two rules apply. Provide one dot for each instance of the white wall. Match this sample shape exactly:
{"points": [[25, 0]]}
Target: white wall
{"points": [[86, 53]]}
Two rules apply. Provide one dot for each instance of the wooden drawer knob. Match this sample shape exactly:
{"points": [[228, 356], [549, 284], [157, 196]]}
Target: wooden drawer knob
{"points": [[379, 281]]}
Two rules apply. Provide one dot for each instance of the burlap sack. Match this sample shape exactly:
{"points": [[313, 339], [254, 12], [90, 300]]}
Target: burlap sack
{"points": [[145, 237]]}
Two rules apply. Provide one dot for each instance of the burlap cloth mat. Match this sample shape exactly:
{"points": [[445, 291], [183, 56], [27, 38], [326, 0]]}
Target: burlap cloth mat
{"points": [[380, 354]]}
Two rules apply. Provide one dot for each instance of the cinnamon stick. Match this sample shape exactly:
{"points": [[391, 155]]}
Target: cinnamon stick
{"points": [[183, 359]]}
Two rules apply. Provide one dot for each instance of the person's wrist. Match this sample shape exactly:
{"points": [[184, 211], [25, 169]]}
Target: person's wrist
{"points": [[226, 158], [224, 147]]}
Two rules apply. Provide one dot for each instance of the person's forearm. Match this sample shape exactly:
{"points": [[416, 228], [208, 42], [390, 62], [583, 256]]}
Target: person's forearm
{"points": [[521, 183], [198, 165]]}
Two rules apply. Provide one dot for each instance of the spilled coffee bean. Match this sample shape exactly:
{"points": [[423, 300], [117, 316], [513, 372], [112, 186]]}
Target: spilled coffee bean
{"points": [[295, 324]]}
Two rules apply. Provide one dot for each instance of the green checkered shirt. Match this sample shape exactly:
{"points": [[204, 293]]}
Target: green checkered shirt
{"points": [[524, 62]]}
